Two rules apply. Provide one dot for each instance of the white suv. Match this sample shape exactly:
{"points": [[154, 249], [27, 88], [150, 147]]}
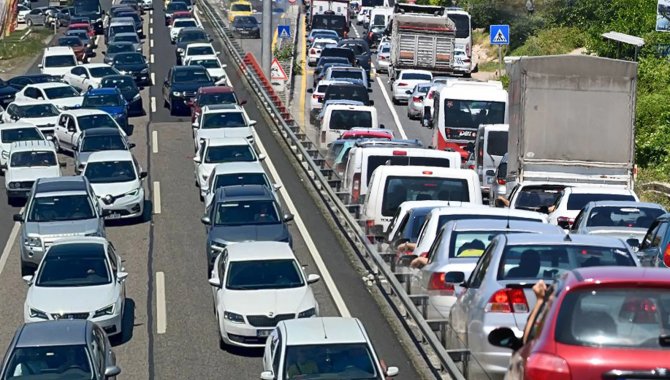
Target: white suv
{"points": [[573, 199], [57, 60], [28, 161], [222, 121]]}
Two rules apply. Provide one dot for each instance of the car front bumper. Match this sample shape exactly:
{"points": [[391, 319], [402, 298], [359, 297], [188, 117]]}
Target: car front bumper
{"points": [[17, 193], [110, 323], [244, 335], [126, 207]]}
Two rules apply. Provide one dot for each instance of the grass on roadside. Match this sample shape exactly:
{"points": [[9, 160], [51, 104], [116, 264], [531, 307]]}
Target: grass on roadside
{"points": [[13, 47], [489, 66]]}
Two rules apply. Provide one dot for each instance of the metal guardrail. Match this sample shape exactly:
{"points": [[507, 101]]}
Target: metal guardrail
{"points": [[658, 188], [308, 156]]}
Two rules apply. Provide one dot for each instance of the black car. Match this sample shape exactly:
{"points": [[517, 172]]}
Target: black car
{"points": [[117, 48], [116, 10], [190, 35], [361, 52], [181, 85], [348, 91], [135, 65], [19, 82], [129, 90], [246, 26], [7, 93], [318, 76]]}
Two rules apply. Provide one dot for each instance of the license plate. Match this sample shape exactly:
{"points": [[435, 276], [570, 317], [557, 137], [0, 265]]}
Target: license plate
{"points": [[263, 333], [114, 215]]}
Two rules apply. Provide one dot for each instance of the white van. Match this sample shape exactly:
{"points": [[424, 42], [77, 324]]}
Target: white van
{"points": [[390, 186], [338, 118], [363, 160], [380, 17], [489, 149], [57, 60]]}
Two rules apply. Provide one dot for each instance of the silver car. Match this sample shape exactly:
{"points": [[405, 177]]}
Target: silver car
{"points": [[383, 57], [498, 292], [60, 350], [56, 208], [415, 102], [628, 220], [95, 140]]}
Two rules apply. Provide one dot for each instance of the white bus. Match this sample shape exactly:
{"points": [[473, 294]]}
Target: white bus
{"points": [[463, 23]]}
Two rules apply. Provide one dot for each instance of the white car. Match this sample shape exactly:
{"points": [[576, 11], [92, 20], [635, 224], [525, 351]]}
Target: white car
{"points": [[314, 52], [222, 121], [212, 152], [200, 48], [363, 15], [57, 60], [334, 347], [147, 4], [62, 95], [383, 57], [78, 278], [255, 285], [574, 198], [180, 23], [214, 67], [28, 161], [88, 75], [406, 81], [237, 173], [462, 63], [116, 178], [21, 12], [19, 131], [71, 123], [44, 115]]}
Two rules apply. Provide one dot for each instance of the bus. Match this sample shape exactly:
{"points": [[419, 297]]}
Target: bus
{"points": [[463, 23]]}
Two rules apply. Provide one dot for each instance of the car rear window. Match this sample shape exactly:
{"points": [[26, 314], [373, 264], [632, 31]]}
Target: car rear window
{"points": [[630, 318], [240, 179], [578, 201], [416, 76], [359, 93], [375, 161], [348, 74], [467, 244], [401, 189], [612, 216], [534, 197], [347, 119], [497, 143]]}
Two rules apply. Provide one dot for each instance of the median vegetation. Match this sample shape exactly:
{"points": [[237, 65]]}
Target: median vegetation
{"points": [[23, 43]]}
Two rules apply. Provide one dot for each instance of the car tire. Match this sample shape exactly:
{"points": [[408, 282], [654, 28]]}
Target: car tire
{"points": [[29, 23], [395, 101], [57, 146], [27, 269], [172, 110]]}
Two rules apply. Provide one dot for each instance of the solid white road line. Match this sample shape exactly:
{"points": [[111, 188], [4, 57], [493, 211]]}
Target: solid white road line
{"points": [[157, 197], [151, 60], [161, 309], [314, 252], [396, 119], [154, 141], [8, 246], [153, 102]]}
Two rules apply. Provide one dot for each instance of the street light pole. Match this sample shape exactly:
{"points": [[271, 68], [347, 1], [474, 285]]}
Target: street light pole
{"points": [[266, 42]]}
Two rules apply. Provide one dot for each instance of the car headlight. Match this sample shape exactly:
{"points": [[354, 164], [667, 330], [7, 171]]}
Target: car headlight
{"points": [[13, 185], [124, 72], [137, 96], [233, 317], [34, 313], [5, 154], [180, 50], [32, 241], [307, 313], [107, 310], [133, 193], [145, 71], [177, 93]]}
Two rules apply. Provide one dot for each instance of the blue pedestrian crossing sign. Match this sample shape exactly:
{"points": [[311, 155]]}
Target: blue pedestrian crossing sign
{"points": [[499, 34], [284, 31]]}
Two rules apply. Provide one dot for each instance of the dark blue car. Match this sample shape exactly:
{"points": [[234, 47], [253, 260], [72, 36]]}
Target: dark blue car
{"points": [[109, 100], [181, 86], [131, 93]]}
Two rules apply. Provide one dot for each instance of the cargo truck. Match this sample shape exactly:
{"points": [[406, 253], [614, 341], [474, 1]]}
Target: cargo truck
{"points": [[571, 120]]}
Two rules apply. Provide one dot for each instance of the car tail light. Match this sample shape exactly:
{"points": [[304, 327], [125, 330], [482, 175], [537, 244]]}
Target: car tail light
{"points": [[399, 152], [565, 219], [416, 99], [382, 58], [427, 172], [508, 300], [430, 95], [370, 35], [471, 167], [437, 283], [481, 154], [316, 97], [547, 367], [501, 181], [467, 51], [312, 51], [402, 84], [639, 310], [666, 256], [356, 187]]}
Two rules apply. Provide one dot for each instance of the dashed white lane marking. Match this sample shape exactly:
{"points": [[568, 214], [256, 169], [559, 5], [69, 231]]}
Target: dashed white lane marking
{"points": [[153, 103], [153, 75], [389, 103], [154, 141], [10, 243], [151, 43], [161, 309], [151, 59], [151, 30], [157, 197]]}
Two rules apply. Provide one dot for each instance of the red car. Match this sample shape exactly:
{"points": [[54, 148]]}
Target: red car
{"points": [[83, 26], [212, 95], [180, 14], [599, 323]]}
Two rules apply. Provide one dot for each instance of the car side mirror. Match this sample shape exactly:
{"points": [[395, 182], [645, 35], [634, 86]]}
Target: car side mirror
{"points": [[131, 145], [392, 371], [197, 159], [371, 102], [310, 90], [18, 218], [242, 102], [408, 92], [504, 337], [39, 66], [288, 217], [28, 279], [205, 220], [262, 157], [104, 52], [470, 147], [83, 76], [267, 375], [490, 172], [252, 123], [112, 371], [634, 243], [382, 126], [3, 166], [214, 282], [122, 276], [277, 186], [454, 277], [62, 164], [143, 175], [312, 278]]}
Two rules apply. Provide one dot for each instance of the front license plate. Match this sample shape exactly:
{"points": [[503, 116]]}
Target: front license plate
{"points": [[263, 333], [114, 216]]}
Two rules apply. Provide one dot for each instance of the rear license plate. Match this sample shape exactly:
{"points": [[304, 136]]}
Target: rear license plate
{"points": [[263, 333]]}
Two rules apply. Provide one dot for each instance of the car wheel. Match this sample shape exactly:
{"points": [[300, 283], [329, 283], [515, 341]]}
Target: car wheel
{"points": [[29, 23], [172, 110], [57, 146], [395, 101], [27, 269]]}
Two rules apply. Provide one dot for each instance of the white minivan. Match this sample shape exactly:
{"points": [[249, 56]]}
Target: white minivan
{"points": [[364, 159], [339, 118], [489, 149], [392, 185], [57, 60]]}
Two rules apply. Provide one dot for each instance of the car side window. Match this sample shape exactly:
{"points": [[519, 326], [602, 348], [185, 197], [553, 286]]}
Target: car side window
{"points": [[70, 122], [112, 259], [40, 94], [477, 276], [649, 237], [578, 220], [660, 234], [276, 353], [222, 264], [98, 351], [201, 151], [30, 92], [77, 71]]}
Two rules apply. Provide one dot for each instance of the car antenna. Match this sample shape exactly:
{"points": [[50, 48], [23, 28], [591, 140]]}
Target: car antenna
{"points": [[325, 334], [567, 236], [507, 227]]}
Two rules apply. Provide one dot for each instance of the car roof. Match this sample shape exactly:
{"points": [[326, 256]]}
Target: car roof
{"points": [[77, 244], [58, 50], [186, 19], [60, 184], [244, 192], [17, 125], [48, 85], [54, 333], [478, 209], [110, 155], [629, 276], [104, 131], [215, 89], [415, 71], [25, 102], [502, 224], [221, 108], [227, 141], [102, 90], [123, 34], [633, 204], [259, 250], [85, 112], [239, 167], [599, 190], [95, 65], [564, 239], [323, 330], [30, 145]]}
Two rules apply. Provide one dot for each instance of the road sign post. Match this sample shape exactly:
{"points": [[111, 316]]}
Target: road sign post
{"points": [[499, 35]]}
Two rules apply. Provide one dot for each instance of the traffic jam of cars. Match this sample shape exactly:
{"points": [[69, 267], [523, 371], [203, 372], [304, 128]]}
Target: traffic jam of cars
{"points": [[533, 258]]}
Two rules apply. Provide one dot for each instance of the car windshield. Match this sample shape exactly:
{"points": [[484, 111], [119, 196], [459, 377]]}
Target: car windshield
{"points": [[547, 261], [578, 201], [223, 180], [99, 72], [223, 120], [240, 213], [129, 59], [359, 93], [98, 143], [127, 38], [184, 23], [125, 28], [200, 50], [189, 76], [217, 98], [619, 317], [110, 172], [347, 119], [70, 41], [241, 8], [626, 217], [69, 270], [9, 136], [36, 111], [96, 121], [192, 36], [416, 76], [60, 92], [208, 63], [119, 48], [102, 100], [351, 361], [32, 158], [243, 20], [229, 153], [50, 362], [472, 113], [176, 6], [401, 189], [81, 34], [60, 61], [534, 197], [263, 274], [61, 208]]}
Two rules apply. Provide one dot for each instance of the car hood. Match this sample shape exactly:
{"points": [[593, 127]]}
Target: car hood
{"points": [[250, 232], [618, 232], [112, 110], [223, 133], [72, 102], [131, 66], [190, 86], [71, 299], [7, 90], [103, 189], [31, 173], [58, 71], [216, 73], [266, 301], [63, 228]]}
